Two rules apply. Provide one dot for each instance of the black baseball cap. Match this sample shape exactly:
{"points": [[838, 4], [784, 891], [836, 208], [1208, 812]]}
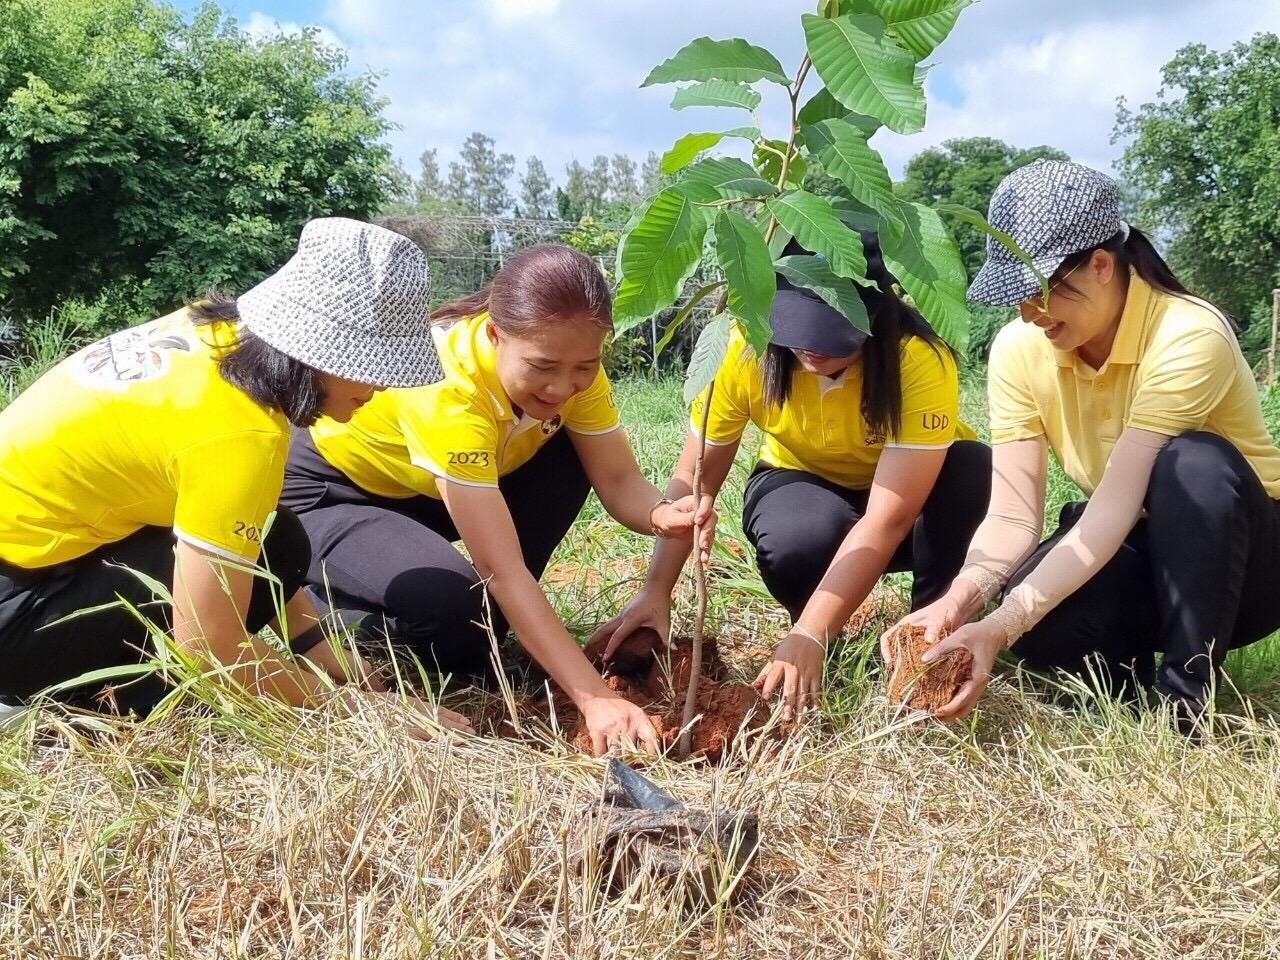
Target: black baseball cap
{"points": [[802, 320]]}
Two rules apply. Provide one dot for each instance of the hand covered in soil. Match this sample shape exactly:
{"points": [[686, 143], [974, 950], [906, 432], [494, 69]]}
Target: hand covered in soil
{"points": [[983, 640], [938, 619], [675, 521], [796, 670], [647, 609], [614, 723]]}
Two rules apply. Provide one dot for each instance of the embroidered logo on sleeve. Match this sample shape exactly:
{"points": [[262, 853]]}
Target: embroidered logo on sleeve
{"points": [[935, 421], [549, 427], [130, 356]]}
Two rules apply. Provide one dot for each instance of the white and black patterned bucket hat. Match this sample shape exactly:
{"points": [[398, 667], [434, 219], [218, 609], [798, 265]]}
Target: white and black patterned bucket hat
{"points": [[1051, 209], [353, 301]]}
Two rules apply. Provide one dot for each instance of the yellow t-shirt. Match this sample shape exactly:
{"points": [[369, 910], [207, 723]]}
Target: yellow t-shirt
{"points": [[462, 429], [820, 428], [1175, 366], [138, 429]]}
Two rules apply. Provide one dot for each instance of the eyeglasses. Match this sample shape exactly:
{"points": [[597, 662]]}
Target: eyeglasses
{"points": [[1040, 301]]}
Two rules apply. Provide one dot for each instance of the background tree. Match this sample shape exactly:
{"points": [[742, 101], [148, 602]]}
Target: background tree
{"points": [[537, 197], [623, 188], [478, 178], [143, 158], [1205, 162]]}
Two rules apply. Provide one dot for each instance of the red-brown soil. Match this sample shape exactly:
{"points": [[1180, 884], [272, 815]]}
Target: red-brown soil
{"points": [[923, 686], [656, 680]]}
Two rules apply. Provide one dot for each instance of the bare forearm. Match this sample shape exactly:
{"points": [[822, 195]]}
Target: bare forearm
{"points": [[857, 565], [630, 500], [248, 663]]}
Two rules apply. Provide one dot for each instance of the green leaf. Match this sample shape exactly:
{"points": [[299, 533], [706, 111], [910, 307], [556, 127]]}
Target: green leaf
{"points": [[692, 144], [746, 264], [708, 353], [866, 70], [707, 59], [781, 237], [926, 262], [814, 273], [975, 219], [730, 177], [814, 223], [823, 106], [716, 93], [683, 314], [920, 25], [846, 155], [660, 253], [770, 164]]}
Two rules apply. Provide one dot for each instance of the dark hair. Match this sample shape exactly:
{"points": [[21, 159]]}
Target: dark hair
{"points": [[1135, 252], [892, 321], [271, 377], [537, 284]]}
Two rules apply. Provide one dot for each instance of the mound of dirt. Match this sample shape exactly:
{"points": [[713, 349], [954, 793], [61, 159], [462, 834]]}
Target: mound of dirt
{"points": [[923, 686], [656, 679]]}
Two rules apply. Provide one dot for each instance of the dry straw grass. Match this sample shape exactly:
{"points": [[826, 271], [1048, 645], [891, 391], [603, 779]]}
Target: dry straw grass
{"points": [[1041, 831]]}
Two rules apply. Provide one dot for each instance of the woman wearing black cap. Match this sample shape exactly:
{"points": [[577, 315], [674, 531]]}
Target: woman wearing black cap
{"points": [[1142, 393], [864, 468]]}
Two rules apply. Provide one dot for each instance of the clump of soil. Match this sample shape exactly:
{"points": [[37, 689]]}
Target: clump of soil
{"points": [[656, 679], [923, 686]]}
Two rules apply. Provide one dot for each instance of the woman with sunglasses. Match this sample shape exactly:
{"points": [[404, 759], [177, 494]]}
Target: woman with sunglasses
{"points": [[1142, 393]]}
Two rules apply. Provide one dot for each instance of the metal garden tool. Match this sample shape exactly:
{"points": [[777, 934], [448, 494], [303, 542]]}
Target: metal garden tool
{"points": [[639, 826]]}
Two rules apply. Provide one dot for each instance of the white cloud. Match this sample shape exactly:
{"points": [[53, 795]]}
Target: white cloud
{"points": [[263, 26], [515, 11]]}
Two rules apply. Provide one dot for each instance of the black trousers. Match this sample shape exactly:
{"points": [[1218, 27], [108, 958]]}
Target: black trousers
{"points": [[396, 559], [796, 521], [1195, 578], [37, 651]]}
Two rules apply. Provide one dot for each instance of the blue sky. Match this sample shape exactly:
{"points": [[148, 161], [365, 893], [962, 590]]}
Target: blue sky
{"points": [[560, 78]]}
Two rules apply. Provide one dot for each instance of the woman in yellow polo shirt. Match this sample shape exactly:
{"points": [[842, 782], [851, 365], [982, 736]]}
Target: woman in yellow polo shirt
{"points": [[864, 468], [161, 450], [1141, 392], [501, 455]]}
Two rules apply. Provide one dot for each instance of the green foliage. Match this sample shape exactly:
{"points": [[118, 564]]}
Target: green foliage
{"points": [[1205, 163], [143, 152], [708, 354], [814, 184], [966, 172]]}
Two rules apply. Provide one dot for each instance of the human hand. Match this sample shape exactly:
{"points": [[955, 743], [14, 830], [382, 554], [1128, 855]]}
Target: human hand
{"points": [[796, 669], [676, 521], [938, 619], [983, 640], [648, 608], [614, 723]]}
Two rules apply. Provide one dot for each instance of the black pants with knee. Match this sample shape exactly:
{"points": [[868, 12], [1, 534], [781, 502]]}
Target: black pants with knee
{"points": [[40, 648], [796, 521], [395, 559], [1195, 578]]}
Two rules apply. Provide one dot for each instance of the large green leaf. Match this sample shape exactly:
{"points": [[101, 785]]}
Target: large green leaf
{"points": [[769, 162], [975, 219], [716, 93], [692, 144], [823, 106], [927, 263], [744, 259], [920, 25], [813, 222], [708, 353], [814, 273], [866, 70], [707, 59], [846, 155], [730, 177], [660, 253]]}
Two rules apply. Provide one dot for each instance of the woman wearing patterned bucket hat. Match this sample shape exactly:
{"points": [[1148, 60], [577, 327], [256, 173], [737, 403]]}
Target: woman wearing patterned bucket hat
{"points": [[156, 456], [864, 468], [501, 455], [1142, 393]]}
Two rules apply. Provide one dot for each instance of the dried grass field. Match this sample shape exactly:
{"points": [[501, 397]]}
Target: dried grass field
{"points": [[1054, 825]]}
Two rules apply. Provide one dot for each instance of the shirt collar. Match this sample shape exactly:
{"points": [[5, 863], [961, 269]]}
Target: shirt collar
{"points": [[1124, 349]]}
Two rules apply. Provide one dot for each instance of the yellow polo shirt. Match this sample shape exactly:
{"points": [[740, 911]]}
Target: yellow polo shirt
{"points": [[1175, 366], [138, 429], [462, 429], [820, 428]]}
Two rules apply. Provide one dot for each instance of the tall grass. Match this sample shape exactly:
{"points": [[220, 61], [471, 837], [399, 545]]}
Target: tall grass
{"points": [[1053, 825]]}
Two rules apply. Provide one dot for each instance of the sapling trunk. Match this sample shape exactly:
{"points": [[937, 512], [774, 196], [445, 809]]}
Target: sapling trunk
{"points": [[700, 591]]}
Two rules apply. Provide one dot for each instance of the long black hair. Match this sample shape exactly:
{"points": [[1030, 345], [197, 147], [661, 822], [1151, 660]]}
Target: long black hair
{"points": [[272, 378], [1136, 252], [892, 321]]}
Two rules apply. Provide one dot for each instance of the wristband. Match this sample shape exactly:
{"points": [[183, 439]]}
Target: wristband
{"points": [[796, 628], [662, 501]]}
